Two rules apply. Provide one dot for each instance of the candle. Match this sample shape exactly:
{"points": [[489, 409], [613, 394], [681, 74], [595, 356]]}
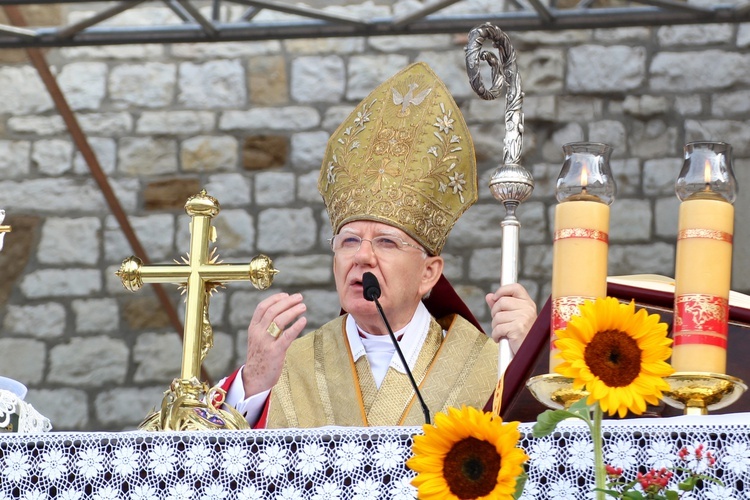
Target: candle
{"points": [[579, 260], [585, 189], [703, 265]]}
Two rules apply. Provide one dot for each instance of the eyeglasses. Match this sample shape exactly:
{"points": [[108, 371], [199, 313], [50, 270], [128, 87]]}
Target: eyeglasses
{"points": [[349, 244]]}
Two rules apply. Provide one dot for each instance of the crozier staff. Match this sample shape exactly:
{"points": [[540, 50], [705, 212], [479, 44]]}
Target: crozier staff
{"points": [[396, 176]]}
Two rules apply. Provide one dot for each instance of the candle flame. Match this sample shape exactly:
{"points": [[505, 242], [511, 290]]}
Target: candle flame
{"points": [[584, 178], [707, 173]]}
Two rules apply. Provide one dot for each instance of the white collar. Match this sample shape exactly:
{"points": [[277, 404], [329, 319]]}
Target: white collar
{"points": [[414, 335]]}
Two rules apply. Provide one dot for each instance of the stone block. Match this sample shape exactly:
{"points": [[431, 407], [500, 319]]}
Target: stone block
{"points": [[545, 178], [552, 149], [574, 108], [155, 232], [346, 45], [543, 70], [536, 262], [274, 188], [242, 305], [488, 145], [653, 258], [225, 50], [286, 230], [148, 85], [610, 132], [234, 189], [265, 151], [147, 156], [473, 297], [304, 270], [666, 218], [169, 194], [89, 362], [627, 174], [652, 139], [137, 403], [106, 124], [364, 73], [176, 122], [619, 35], [96, 315], [618, 68], [668, 70], [22, 91], [70, 241], [630, 220], [451, 68], [541, 108], [308, 149], [144, 312], [208, 153], [730, 103], [688, 105], [484, 265], [532, 215], [743, 35], [322, 307], [695, 34], [267, 80], [53, 156], [318, 79], [144, 52], [265, 119], [213, 84], [735, 132], [646, 106], [478, 227], [83, 84], [335, 116], [41, 125], [45, 320], [15, 159], [67, 409], [222, 358], [307, 187], [59, 194], [410, 42], [23, 359], [157, 357], [454, 266], [660, 175], [69, 282], [235, 232], [105, 151]]}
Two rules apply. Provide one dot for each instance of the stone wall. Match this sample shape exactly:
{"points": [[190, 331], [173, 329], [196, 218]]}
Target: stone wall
{"points": [[249, 122]]}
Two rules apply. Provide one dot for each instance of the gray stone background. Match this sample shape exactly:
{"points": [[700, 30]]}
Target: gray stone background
{"points": [[249, 122]]}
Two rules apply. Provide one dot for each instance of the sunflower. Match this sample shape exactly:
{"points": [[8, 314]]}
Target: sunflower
{"points": [[468, 453], [617, 354]]}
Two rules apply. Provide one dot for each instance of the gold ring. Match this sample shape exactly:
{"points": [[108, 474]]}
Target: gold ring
{"points": [[274, 330]]}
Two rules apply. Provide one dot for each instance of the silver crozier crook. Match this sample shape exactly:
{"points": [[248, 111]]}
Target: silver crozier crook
{"points": [[511, 183]]}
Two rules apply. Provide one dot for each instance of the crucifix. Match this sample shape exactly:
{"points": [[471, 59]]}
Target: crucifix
{"points": [[3, 228], [189, 404]]}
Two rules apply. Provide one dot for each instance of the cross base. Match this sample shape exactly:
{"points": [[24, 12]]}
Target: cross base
{"points": [[188, 406]]}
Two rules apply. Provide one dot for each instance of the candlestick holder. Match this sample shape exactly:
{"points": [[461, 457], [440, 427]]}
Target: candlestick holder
{"points": [[555, 391], [699, 392]]}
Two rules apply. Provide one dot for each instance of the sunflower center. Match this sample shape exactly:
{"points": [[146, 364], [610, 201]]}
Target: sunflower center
{"points": [[470, 468], [614, 357]]}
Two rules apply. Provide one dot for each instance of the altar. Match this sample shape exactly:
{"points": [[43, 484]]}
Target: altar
{"points": [[347, 463]]}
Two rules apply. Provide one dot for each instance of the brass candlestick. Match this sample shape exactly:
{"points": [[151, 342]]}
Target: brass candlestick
{"points": [[189, 404], [555, 391], [699, 392]]}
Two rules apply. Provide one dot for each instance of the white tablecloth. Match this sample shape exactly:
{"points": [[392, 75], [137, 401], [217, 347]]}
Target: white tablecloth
{"points": [[341, 463]]}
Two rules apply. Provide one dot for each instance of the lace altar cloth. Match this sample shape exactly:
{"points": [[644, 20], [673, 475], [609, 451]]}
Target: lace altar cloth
{"points": [[342, 463]]}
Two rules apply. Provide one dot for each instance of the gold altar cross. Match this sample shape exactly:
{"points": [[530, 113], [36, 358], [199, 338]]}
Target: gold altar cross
{"points": [[199, 275], [3, 229]]}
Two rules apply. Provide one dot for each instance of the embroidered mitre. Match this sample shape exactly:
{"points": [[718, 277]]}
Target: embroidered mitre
{"points": [[403, 157]]}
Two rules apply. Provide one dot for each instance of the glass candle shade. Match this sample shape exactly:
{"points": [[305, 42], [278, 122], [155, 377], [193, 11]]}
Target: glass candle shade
{"points": [[585, 189], [703, 267]]}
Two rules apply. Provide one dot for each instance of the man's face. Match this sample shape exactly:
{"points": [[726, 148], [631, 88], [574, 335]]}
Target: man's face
{"points": [[405, 275]]}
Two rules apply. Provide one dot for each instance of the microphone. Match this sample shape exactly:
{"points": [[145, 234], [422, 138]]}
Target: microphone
{"points": [[371, 292]]}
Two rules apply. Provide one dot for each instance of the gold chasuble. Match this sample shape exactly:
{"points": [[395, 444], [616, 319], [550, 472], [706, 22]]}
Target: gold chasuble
{"points": [[322, 385]]}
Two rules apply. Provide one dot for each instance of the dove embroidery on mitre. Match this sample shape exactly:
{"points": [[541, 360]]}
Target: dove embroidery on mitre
{"points": [[409, 98]]}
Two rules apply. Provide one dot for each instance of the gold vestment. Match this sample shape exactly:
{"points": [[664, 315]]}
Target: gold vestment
{"points": [[322, 385]]}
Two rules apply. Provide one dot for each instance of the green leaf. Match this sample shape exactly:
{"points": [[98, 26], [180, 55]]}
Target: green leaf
{"points": [[548, 420], [520, 483], [672, 495], [581, 409], [633, 495], [688, 484]]}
